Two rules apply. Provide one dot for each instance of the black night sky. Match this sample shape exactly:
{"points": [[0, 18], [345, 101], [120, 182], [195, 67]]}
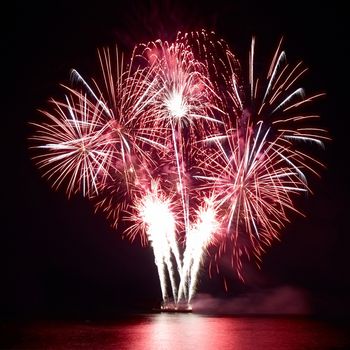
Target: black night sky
{"points": [[59, 259]]}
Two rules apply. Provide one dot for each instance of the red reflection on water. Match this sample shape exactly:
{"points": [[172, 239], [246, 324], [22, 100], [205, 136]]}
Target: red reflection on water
{"points": [[184, 332], [202, 332], [192, 332]]}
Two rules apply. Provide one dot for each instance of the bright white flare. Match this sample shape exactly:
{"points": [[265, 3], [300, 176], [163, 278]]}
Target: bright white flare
{"points": [[159, 223], [176, 104], [198, 239]]}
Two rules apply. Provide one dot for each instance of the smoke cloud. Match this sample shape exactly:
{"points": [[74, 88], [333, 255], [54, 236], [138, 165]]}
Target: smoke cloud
{"points": [[283, 300]]}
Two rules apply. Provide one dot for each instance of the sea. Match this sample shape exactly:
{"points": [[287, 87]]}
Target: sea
{"points": [[179, 331]]}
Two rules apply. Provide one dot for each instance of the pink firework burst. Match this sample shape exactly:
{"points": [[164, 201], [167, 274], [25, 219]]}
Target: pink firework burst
{"points": [[198, 161], [257, 164]]}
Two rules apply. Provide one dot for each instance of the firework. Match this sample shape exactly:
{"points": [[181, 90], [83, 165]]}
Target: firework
{"points": [[73, 150], [178, 145], [183, 106], [154, 216], [199, 237], [258, 163]]}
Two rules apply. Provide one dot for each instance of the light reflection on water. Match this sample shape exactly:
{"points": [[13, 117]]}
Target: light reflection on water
{"points": [[185, 331]]}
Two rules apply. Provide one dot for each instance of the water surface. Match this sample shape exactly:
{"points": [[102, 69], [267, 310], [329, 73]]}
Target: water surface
{"points": [[162, 331]]}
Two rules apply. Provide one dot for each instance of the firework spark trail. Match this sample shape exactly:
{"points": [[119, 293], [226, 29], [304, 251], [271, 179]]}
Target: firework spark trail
{"points": [[199, 237], [157, 232], [154, 217], [223, 69], [254, 184], [73, 149], [274, 101]]}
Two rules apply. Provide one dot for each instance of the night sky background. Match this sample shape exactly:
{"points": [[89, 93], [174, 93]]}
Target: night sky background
{"points": [[59, 259]]}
